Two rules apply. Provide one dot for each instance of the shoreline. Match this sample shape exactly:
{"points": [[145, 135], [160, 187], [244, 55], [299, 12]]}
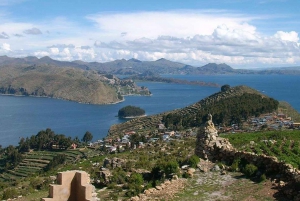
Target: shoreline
{"points": [[110, 103], [132, 117]]}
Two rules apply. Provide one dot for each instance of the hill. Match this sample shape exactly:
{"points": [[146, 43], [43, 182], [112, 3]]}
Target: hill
{"points": [[226, 106], [65, 83]]}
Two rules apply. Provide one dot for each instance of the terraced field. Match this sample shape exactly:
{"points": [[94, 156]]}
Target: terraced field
{"points": [[34, 162]]}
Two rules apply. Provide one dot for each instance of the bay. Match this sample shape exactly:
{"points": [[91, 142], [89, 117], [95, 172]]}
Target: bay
{"points": [[25, 116]]}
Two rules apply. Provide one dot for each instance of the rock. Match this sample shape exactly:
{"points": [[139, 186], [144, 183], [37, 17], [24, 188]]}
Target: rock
{"points": [[158, 188], [204, 169], [175, 177], [151, 190], [105, 175], [147, 192], [191, 171], [216, 168], [135, 198], [281, 183], [184, 167], [223, 172]]}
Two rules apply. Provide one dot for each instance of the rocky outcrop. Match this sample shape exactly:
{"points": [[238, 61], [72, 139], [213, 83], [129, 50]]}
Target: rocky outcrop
{"points": [[113, 163]]}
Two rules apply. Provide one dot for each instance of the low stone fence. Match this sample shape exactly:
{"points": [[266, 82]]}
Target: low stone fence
{"points": [[220, 149]]}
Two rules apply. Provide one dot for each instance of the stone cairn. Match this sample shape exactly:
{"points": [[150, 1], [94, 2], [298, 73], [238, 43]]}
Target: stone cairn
{"points": [[208, 144]]}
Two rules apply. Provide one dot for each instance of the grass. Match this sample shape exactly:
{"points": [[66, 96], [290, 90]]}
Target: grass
{"points": [[282, 144]]}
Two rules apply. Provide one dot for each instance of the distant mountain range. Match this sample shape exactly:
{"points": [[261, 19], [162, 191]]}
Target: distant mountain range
{"points": [[134, 66]]}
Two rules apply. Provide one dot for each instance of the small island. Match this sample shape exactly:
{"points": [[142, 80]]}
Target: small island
{"points": [[131, 112]]}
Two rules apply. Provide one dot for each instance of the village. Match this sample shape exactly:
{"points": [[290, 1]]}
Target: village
{"points": [[132, 140]]}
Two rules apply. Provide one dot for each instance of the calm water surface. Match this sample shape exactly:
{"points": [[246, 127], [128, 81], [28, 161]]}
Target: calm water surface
{"points": [[25, 116]]}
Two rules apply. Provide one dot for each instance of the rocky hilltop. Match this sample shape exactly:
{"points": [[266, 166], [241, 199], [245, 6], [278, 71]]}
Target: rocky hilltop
{"points": [[192, 112], [84, 86]]}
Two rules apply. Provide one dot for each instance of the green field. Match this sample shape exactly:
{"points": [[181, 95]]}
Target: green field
{"points": [[282, 144]]}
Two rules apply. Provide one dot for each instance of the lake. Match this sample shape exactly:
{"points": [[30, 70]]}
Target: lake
{"points": [[25, 116]]}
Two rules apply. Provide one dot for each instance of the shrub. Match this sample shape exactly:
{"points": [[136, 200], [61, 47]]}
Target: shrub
{"points": [[262, 178], [118, 176], [186, 175], [133, 190], [9, 193], [36, 183], [235, 165], [171, 167], [193, 161], [136, 178], [250, 170]]}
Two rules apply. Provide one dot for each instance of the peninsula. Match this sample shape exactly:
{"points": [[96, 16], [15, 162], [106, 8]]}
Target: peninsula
{"points": [[83, 86]]}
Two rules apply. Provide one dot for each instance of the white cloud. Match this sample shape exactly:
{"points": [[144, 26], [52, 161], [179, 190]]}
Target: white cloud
{"points": [[233, 46], [194, 37], [54, 51], [172, 23], [62, 46], [41, 53], [6, 47], [287, 36]]}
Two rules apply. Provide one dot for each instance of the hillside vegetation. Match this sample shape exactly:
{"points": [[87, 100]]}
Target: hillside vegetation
{"points": [[130, 111], [227, 106]]}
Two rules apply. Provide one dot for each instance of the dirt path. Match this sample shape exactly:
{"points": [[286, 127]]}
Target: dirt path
{"points": [[233, 186]]}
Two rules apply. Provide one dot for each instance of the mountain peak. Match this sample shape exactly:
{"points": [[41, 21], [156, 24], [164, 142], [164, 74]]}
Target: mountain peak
{"points": [[134, 60], [31, 58], [162, 59], [46, 58]]}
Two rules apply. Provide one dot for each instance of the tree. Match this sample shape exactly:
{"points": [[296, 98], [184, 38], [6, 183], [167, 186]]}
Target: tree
{"points": [[225, 87], [24, 145], [57, 160], [87, 137]]}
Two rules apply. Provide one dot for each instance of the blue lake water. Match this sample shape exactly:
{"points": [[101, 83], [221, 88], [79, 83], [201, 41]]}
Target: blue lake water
{"points": [[25, 116]]}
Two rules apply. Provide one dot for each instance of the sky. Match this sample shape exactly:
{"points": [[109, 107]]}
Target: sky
{"points": [[241, 33]]}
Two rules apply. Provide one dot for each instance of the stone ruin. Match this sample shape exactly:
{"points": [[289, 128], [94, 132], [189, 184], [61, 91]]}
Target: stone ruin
{"points": [[208, 144], [72, 186], [213, 148]]}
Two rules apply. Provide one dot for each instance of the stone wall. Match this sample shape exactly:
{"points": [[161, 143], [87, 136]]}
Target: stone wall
{"points": [[211, 147]]}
